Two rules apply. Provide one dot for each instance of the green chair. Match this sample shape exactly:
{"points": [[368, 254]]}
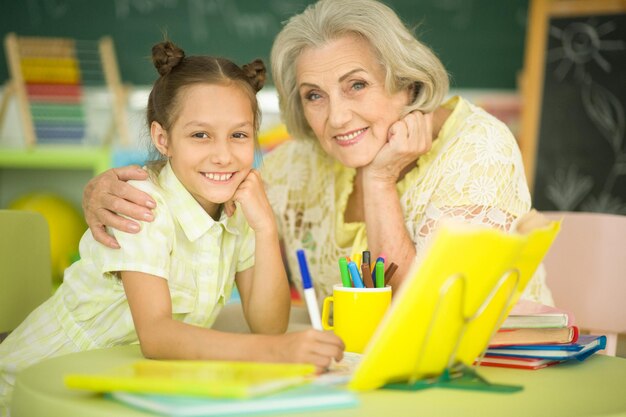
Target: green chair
{"points": [[25, 268]]}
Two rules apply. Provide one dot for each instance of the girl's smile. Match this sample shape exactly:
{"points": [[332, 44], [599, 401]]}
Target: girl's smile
{"points": [[218, 177]]}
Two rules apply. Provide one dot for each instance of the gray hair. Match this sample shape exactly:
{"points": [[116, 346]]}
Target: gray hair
{"points": [[406, 61]]}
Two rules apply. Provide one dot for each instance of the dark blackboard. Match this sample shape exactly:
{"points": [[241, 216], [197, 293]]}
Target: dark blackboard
{"points": [[581, 149], [480, 41]]}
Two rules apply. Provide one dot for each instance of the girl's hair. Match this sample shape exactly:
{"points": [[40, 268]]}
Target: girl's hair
{"points": [[178, 72], [406, 61]]}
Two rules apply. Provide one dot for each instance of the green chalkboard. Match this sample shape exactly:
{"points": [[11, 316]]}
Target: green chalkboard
{"points": [[481, 42]]}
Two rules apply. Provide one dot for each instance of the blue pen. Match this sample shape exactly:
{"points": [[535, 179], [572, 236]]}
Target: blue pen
{"points": [[309, 292], [373, 268], [356, 277]]}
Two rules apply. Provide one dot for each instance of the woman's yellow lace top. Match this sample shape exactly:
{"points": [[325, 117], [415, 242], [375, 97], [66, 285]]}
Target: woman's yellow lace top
{"points": [[473, 172]]}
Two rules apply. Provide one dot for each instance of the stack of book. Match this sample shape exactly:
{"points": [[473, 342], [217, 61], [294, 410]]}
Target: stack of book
{"points": [[214, 388], [534, 336]]}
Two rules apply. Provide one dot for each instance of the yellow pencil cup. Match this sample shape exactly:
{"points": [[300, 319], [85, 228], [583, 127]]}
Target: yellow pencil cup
{"points": [[356, 314]]}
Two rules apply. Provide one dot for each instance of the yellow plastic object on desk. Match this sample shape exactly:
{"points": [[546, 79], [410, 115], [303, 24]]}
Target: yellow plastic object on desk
{"points": [[450, 305], [219, 379]]}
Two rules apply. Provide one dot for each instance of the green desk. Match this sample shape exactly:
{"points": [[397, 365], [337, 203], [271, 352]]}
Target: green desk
{"points": [[596, 387]]}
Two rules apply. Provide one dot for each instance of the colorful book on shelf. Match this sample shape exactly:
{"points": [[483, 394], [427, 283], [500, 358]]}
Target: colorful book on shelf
{"points": [[516, 363], [581, 349], [533, 336], [529, 314], [219, 379], [308, 397]]}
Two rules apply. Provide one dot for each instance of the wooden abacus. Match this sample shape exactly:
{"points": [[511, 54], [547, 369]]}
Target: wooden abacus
{"points": [[47, 78]]}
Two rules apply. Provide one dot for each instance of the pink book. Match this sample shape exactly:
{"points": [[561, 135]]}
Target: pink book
{"points": [[533, 336], [518, 363]]}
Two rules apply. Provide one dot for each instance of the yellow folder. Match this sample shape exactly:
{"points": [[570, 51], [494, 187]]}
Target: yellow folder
{"points": [[451, 303], [220, 379]]}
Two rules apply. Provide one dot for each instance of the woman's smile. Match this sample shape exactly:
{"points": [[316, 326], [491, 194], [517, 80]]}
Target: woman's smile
{"points": [[351, 138]]}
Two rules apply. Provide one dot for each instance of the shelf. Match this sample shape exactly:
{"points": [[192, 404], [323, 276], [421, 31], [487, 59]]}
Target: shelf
{"points": [[57, 157]]}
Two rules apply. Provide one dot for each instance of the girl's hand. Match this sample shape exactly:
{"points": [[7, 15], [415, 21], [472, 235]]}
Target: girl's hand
{"points": [[256, 207], [407, 139], [108, 194], [310, 346]]}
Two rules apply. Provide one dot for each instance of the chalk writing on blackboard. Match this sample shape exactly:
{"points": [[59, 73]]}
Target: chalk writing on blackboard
{"points": [[458, 30], [585, 58], [244, 24], [459, 11], [41, 10], [123, 8]]}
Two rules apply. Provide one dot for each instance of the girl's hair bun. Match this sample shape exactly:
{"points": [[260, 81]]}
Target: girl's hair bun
{"points": [[165, 56], [256, 73]]}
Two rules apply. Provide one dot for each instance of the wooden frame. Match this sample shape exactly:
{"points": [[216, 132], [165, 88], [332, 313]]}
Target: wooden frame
{"points": [[118, 92], [16, 86], [539, 15]]}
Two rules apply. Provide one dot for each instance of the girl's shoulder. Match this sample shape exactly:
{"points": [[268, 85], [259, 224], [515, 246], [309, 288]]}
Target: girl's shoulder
{"points": [[154, 190], [150, 187]]}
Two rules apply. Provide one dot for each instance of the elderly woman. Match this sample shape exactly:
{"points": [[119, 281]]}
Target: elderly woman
{"points": [[378, 158]]}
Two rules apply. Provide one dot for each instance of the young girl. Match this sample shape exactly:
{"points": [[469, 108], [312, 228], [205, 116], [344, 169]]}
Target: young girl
{"points": [[213, 226]]}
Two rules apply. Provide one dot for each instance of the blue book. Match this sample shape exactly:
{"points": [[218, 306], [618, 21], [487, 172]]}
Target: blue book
{"points": [[306, 397], [581, 349]]}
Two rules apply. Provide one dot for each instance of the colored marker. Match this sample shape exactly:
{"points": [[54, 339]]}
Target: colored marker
{"points": [[382, 257], [345, 275], [380, 274], [390, 271], [366, 257], [356, 258], [309, 292], [367, 276], [365, 270], [373, 267], [356, 277]]}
